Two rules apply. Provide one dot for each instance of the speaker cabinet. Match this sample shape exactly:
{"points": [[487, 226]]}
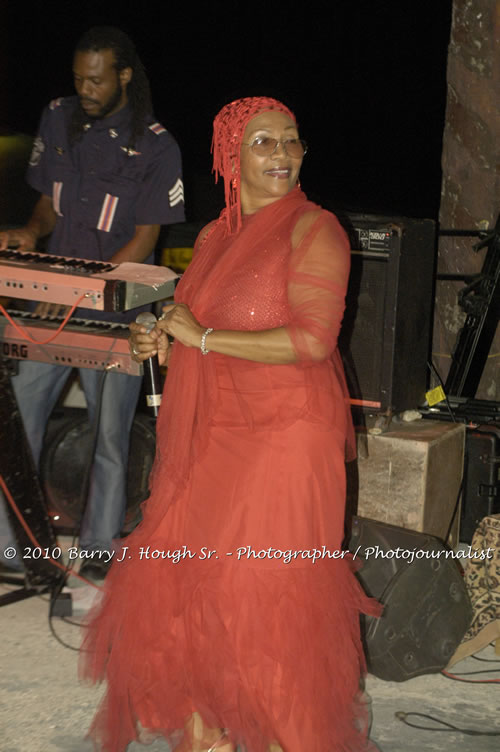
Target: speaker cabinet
{"points": [[427, 610], [385, 337], [65, 456]]}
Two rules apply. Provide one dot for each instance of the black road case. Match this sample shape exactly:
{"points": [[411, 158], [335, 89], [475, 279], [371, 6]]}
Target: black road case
{"points": [[481, 494]]}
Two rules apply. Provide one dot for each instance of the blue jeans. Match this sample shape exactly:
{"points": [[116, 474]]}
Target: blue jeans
{"points": [[37, 388]]}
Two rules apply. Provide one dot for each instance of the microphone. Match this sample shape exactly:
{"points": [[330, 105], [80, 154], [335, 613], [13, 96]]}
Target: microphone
{"points": [[152, 378]]}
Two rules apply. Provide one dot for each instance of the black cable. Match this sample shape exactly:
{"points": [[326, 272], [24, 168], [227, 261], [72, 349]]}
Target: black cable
{"points": [[51, 627], [433, 368], [454, 677], [58, 639], [455, 508], [401, 716], [485, 660], [66, 620]]}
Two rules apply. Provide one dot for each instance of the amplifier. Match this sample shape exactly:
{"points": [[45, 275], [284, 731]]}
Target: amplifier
{"points": [[386, 332]]}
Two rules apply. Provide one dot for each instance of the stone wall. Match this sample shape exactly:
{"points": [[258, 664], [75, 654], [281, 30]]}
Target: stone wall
{"points": [[471, 168]]}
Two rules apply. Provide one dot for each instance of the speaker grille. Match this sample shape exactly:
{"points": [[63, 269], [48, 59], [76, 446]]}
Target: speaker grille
{"points": [[385, 336]]}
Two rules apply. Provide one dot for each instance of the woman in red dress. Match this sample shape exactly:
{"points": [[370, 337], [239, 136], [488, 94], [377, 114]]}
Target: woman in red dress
{"points": [[232, 617]]}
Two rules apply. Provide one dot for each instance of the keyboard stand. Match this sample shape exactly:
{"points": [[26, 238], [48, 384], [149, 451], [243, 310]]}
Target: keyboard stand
{"points": [[480, 299], [18, 471]]}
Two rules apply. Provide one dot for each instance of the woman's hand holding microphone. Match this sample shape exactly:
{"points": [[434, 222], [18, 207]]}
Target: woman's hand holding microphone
{"points": [[177, 321]]}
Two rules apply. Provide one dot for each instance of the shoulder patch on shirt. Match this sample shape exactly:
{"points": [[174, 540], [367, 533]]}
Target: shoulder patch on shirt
{"points": [[36, 152], [176, 193], [157, 128], [55, 103]]}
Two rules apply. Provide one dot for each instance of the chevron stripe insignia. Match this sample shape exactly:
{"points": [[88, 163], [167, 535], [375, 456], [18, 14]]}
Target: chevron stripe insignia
{"points": [[176, 193]]}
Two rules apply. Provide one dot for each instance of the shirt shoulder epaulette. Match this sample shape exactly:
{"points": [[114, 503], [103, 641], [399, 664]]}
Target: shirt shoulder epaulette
{"points": [[55, 103], [157, 128]]}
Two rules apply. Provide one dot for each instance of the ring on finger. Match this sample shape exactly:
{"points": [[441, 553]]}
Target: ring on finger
{"points": [[135, 351]]}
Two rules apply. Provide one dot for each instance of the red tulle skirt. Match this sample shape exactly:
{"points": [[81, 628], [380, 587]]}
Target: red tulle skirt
{"points": [[235, 603]]}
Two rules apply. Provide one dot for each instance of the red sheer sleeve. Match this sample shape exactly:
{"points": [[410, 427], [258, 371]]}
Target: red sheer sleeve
{"points": [[203, 235], [317, 284]]}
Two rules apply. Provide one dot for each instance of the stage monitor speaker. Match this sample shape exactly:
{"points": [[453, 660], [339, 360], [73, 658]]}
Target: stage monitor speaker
{"points": [[385, 337], [427, 609], [64, 457]]}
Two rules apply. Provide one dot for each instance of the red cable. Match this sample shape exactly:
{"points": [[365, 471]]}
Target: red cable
{"points": [[32, 537], [470, 681], [27, 336]]}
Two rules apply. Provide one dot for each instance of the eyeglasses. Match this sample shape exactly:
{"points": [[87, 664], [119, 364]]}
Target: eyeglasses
{"points": [[264, 146]]}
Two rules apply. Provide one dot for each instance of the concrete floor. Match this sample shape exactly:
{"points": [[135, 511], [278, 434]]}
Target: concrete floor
{"points": [[43, 707]]}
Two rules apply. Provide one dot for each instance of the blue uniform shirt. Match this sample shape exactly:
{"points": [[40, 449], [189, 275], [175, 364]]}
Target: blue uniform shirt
{"points": [[100, 189]]}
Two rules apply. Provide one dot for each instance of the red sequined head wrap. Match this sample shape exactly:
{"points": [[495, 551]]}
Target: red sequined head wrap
{"points": [[229, 127]]}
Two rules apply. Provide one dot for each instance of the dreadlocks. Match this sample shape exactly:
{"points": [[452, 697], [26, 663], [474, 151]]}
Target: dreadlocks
{"points": [[138, 90]]}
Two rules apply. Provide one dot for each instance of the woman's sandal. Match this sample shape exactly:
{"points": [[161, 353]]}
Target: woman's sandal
{"points": [[216, 746]]}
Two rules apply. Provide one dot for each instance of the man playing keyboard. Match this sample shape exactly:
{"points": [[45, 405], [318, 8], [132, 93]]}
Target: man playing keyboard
{"points": [[109, 175]]}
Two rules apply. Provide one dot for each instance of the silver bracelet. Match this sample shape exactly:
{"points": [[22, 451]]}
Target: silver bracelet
{"points": [[203, 347]]}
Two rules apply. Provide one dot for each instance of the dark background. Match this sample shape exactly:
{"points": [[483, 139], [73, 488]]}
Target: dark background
{"points": [[366, 80]]}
